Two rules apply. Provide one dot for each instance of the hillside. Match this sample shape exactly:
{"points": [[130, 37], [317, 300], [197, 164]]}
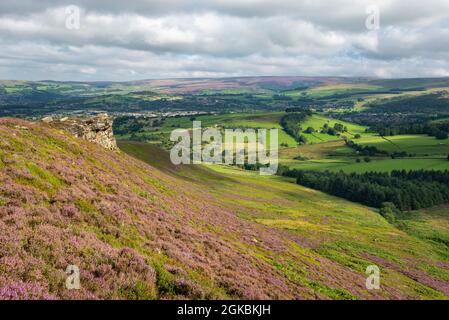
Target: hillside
{"points": [[138, 232], [133, 231], [412, 253]]}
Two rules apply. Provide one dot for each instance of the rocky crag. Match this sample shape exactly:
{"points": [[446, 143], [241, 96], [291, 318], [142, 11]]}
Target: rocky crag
{"points": [[96, 129]]}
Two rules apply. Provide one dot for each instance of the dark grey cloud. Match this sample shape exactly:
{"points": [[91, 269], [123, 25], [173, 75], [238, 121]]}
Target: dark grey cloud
{"points": [[172, 38]]}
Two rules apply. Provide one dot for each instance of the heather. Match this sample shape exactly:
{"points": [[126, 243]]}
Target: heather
{"points": [[134, 232], [334, 239], [137, 232]]}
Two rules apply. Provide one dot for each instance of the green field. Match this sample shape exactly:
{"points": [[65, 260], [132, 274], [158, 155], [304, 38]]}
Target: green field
{"points": [[385, 165], [229, 121], [427, 152], [421, 145], [318, 121], [323, 151]]}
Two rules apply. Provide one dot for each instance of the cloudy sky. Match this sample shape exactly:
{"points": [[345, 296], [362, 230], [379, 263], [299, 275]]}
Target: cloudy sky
{"points": [[142, 39]]}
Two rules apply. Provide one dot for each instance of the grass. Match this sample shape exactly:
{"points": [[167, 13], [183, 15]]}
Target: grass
{"points": [[328, 229], [418, 144], [317, 122], [382, 165], [262, 120], [331, 153], [326, 152], [430, 224]]}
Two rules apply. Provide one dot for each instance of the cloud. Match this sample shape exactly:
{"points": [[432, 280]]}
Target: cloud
{"points": [[174, 38]]}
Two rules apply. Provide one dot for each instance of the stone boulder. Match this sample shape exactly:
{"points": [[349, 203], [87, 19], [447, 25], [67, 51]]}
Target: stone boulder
{"points": [[96, 129]]}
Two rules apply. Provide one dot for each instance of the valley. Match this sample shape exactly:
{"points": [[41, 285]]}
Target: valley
{"points": [[170, 231]]}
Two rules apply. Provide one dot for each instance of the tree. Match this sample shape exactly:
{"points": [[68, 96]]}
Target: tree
{"points": [[291, 124], [407, 190], [357, 136], [441, 135], [302, 139], [389, 212], [338, 127], [310, 130], [332, 131]]}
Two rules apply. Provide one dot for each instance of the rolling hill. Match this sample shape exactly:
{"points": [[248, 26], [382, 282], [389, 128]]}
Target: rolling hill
{"points": [[324, 226], [142, 231]]}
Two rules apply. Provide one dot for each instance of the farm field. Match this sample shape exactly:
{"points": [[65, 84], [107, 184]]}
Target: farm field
{"points": [[323, 151], [230, 121], [318, 121], [428, 153], [384, 165], [417, 144]]}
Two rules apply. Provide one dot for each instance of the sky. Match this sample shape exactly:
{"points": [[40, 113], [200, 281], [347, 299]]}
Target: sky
{"points": [[116, 40]]}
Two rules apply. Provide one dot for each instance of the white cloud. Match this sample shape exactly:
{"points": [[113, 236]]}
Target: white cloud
{"points": [[174, 38]]}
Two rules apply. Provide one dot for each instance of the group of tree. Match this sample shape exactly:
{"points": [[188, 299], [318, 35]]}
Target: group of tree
{"points": [[292, 120], [133, 125], [291, 124], [407, 190], [439, 130], [335, 130], [365, 150]]}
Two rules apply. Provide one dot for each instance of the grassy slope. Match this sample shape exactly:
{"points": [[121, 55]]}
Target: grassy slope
{"points": [[138, 233], [134, 232], [326, 228], [192, 232]]}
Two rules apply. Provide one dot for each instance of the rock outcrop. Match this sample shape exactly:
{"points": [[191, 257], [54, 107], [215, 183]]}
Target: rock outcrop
{"points": [[96, 129]]}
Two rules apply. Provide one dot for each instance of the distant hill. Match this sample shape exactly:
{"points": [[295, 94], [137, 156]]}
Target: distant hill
{"points": [[43, 98], [239, 83], [182, 85]]}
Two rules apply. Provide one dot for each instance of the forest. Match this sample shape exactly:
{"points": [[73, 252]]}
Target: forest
{"points": [[374, 189], [437, 129]]}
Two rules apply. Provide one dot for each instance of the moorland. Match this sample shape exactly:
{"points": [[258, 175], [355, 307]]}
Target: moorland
{"points": [[362, 180]]}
